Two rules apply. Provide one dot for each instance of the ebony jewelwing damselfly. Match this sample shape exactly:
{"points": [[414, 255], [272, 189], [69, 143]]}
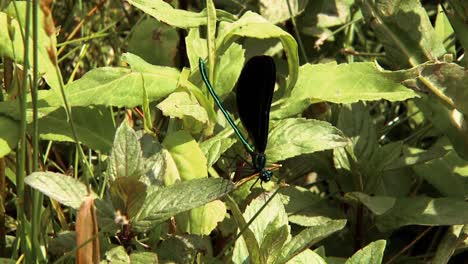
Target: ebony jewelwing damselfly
{"points": [[254, 95]]}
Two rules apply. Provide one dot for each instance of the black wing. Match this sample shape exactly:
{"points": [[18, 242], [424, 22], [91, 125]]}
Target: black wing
{"points": [[254, 94]]}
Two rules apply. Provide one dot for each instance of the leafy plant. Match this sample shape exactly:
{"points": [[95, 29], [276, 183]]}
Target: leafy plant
{"points": [[136, 164]]}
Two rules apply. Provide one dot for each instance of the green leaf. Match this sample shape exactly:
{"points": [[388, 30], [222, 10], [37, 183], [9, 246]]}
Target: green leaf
{"points": [[183, 105], [272, 221], [93, 125], [164, 12], [14, 49], [187, 155], [371, 254], [424, 211], [444, 30], [126, 156], [117, 255], [458, 19], [308, 237], [307, 257], [143, 258], [447, 174], [196, 48], [202, 220], [376, 204], [447, 81], [163, 202], [155, 42], [415, 156], [154, 160], [62, 188], [295, 136], [404, 29], [307, 208], [277, 11], [448, 121], [342, 83], [449, 243], [252, 25], [214, 147], [9, 135], [228, 69]]}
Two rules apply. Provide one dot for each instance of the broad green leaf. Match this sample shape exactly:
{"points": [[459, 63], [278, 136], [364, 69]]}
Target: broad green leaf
{"points": [[164, 12], [376, 204], [295, 136], [60, 187], [404, 29], [121, 87], [184, 105], [127, 195], [252, 25], [307, 257], [126, 156], [308, 237], [93, 125], [342, 83], [277, 11], [155, 42], [371, 254], [214, 147], [272, 221], [163, 202], [424, 211], [14, 49], [9, 135], [202, 220], [187, 155]]}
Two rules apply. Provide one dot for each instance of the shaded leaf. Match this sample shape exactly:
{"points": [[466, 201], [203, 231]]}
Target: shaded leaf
{"points": [[127, 195]]}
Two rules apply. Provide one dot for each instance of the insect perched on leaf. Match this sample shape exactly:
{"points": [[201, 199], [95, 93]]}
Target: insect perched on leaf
{"points": [[254, 95]]}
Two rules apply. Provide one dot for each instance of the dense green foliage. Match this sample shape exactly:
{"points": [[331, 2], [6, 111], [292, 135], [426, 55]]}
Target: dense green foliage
{"points": [[112, 150]]}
